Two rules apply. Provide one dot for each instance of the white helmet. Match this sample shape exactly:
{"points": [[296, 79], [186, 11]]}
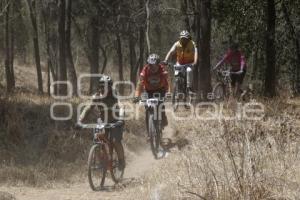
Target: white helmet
{"points": [[153, 59], [185, 34], [104, 79]]}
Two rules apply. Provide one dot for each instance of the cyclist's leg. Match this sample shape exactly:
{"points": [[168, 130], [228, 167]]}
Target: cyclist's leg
{"points": [[233, 78], [189, 78], [164, 119], [116, 137], [240, 80], [150, 95]]}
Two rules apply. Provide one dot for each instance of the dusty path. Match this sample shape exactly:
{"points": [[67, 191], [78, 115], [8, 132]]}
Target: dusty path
{"points": [[140, 165]]}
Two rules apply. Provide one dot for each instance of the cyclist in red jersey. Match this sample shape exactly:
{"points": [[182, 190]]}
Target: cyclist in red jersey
{"points": [[236, 59], [153, 81]]}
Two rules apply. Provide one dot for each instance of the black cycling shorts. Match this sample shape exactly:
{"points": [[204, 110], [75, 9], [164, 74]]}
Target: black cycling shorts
{"points": [[116, 133], [237, 78], [158, 93]]}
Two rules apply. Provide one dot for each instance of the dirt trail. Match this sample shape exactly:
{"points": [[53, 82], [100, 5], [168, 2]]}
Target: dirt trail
{"points": [[139, 165]]}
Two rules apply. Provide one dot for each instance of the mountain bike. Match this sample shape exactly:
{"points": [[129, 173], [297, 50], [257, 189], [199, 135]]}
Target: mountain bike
{"points": [[154, 123], [180, 90], [102, 156], [222, 89], [247, 94]]}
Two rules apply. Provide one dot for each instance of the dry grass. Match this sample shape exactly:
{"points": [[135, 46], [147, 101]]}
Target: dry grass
{"points": [[37, 151], [221, 160], [233, 160], [34, 149]]}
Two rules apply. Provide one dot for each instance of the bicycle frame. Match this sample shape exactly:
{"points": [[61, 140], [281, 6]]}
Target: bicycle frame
{"points": [[152, 106], [101, 138], [153, 123], [105, 153], [223, 79], [180, 77]]}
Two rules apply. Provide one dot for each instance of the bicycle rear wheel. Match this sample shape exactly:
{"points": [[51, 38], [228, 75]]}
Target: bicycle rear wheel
{"points": [[219, 92], [175, 98], [154, 136], [97, 166], [189, 99], [116, 173]]}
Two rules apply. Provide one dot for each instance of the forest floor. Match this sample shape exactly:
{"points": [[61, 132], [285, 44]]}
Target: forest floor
{"points": [[140, 166]]}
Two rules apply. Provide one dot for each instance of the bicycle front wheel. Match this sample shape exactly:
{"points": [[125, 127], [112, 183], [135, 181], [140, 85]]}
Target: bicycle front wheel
{"points": [[116, 172], [219, 92], [175, 98], [154, 136], [97, 166]]}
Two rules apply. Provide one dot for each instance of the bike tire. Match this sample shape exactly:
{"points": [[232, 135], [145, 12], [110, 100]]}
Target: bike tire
{"points": [[116, 173], [188, 100], [98, 164], [175, 99], [219, 92], [246, 96], [154, 136]]}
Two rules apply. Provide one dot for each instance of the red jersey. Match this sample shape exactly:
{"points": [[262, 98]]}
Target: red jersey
{"points": [[236, 60], [154, 81]]}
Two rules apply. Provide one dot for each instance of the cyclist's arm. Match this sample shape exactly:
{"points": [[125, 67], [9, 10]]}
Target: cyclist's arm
{"points": [[118, 115], [166, 79], [87, 109], [140, 86], [223, 60], [195, 54], [243, 62], [171, 52]]}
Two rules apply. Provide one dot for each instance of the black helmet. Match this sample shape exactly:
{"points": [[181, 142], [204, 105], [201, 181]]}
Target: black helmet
{"points": [[234, 45]]}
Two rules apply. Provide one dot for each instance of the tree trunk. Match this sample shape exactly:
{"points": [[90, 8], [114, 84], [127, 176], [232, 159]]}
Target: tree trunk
{"points": [[148, 27], [103, 50], [254, 65], [184, 10], [270, 75], [120, 60], [62, 72], [9, 85], [2, 42], [32, 11], [12, 47], [93, 52], [132, 57], [196, 9], [140, 62], [50, 60], [291, 28], [205, 37], [142, 46], [70, 63], [91, 48]]}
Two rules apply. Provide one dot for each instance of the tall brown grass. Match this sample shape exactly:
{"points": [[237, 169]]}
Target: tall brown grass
{"points": [[221, 160], [233, 159]]}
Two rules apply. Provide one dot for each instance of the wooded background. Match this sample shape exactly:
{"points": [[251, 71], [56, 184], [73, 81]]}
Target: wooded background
{"points": [[65, 37]]}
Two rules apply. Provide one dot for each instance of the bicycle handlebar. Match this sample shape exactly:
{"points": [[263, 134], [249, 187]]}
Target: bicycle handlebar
{"points": [[151, 100], [99, 126], [185, 65]]}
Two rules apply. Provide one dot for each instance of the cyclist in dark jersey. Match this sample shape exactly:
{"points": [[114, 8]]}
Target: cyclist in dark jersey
{"points": [[108, 110]]}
